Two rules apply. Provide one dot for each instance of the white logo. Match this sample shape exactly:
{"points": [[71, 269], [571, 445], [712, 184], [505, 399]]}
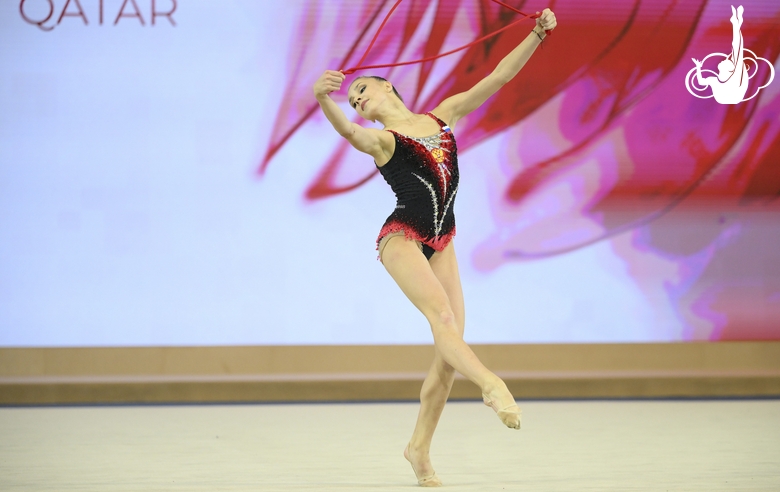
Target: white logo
{"points": [[730, 84]]}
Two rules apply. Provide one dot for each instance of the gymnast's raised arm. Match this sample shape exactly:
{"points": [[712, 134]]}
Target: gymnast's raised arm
{"points": [[455, 107], [366, 140]]}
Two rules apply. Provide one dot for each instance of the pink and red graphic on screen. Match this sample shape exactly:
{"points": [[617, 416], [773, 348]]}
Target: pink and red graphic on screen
{"points": [[599, 139]]}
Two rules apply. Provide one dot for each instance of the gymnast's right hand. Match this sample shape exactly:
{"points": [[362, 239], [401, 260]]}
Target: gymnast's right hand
{"points": [[330, 81]]}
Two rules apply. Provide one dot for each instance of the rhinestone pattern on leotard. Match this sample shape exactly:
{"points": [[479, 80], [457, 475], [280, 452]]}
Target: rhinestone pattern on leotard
{"points": [[423, 174]]}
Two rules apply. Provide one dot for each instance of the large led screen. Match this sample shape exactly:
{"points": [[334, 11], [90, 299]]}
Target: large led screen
{"points": [[166, 177]]}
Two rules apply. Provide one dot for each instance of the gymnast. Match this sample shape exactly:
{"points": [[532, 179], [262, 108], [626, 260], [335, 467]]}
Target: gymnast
{"points": [[417, 156]]}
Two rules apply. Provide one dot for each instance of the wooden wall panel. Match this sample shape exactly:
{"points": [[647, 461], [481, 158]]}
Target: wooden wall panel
{"points": [[357, 373]]}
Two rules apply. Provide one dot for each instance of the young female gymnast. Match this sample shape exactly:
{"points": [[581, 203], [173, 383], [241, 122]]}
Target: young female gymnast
{"points": [[417, 155]]}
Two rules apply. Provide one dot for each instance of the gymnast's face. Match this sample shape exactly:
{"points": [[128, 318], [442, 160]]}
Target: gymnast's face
{"points": [[366, 94]]}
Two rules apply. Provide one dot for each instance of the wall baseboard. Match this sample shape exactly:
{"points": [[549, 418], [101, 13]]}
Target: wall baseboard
{"points": [[35, 376]]}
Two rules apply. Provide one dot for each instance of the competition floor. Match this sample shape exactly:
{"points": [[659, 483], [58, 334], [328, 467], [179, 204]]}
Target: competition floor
{"points": [[563, 446]]}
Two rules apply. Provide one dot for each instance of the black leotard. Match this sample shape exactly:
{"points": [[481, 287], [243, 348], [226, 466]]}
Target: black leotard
{"points": [[423, 174]]}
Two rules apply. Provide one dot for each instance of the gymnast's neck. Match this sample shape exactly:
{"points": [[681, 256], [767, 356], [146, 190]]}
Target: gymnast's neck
{"points": [[394, 113]]}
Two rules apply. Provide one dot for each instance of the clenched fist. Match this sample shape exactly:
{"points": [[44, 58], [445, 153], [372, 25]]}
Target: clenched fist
{"points": [[546, 21], [330, 81]]}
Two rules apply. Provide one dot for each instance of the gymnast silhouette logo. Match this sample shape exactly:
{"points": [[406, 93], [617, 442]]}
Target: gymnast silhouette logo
{"points": [[730, 84]]}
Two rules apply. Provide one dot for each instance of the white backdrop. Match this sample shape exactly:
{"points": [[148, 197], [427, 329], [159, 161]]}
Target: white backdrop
{"points": [[131, 212]]}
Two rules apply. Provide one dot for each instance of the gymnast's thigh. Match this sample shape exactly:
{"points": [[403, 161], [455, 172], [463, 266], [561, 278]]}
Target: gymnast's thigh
{"points": [[383, 242], [445, 267]]}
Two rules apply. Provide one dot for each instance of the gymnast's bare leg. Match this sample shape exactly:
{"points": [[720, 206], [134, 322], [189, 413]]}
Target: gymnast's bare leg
{"points": [[434, 288], [438, 383]]}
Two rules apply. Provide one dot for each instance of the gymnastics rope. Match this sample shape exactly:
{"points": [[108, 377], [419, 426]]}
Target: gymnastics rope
{"points": [[430, 58]]}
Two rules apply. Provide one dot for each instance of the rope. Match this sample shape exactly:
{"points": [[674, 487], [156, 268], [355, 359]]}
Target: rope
{"points": [[360, 66]]}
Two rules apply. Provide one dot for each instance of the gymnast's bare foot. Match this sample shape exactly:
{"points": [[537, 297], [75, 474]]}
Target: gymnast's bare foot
{"points": [[421, 465], [498, 397]]}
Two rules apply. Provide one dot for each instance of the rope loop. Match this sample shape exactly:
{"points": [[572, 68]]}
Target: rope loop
{"points": [[360, 66]]}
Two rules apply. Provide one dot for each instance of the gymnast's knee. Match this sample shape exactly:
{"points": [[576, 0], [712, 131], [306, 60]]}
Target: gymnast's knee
{"points": [[443, 318]]}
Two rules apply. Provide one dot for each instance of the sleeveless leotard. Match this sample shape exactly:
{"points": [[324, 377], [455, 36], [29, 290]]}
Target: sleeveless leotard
{"points": [[423, 174]]}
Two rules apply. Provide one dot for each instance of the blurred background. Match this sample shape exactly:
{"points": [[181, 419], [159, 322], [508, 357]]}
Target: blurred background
{"points": [[166, 178]]}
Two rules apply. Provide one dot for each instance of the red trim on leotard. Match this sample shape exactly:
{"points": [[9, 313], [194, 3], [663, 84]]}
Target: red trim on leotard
{"points": [[438, 243]]}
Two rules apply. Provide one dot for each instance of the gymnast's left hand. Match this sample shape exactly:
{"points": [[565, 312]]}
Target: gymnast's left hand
{"points": [[546, 21]]}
